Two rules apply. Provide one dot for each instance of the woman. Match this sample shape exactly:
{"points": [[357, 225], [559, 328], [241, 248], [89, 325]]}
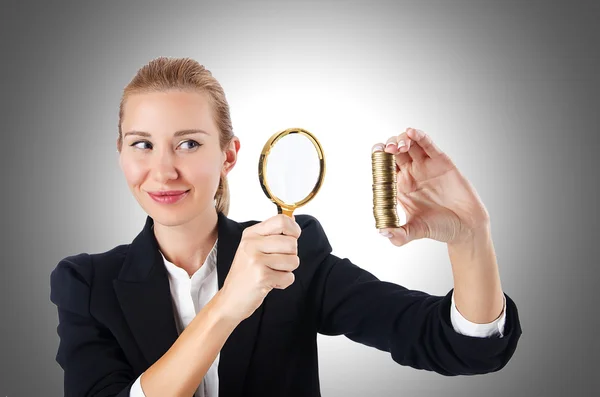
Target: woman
{"points": [[199, 304]]}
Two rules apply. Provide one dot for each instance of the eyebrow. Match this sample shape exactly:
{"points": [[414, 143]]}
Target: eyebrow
{"points": [[177, 133]]}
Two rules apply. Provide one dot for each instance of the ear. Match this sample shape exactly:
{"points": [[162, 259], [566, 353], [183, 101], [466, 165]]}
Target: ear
{"points": [[231, 155], [119, 154]]}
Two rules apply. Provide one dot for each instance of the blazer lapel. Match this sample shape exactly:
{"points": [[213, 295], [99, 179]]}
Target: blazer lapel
{"points": [[143, 292]]}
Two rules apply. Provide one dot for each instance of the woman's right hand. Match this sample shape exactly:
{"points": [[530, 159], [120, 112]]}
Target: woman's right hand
{"points": [[265, 258]]}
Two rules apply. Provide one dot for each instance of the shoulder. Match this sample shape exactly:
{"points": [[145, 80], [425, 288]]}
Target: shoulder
{"points": [[309, 222], [85, 264], [313, 238], [72, 278]]}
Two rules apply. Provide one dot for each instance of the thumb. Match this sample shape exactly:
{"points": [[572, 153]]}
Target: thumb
{"points": [[406, 233]]}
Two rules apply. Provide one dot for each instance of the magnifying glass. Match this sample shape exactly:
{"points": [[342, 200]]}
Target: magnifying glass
{"points": [[295, 169]]}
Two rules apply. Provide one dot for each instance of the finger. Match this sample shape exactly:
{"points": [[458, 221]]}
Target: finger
{"points": [[282, 280], [403, 144], [405, 182], [278, 224], [378, 147], [414, 151], [278, 244], [283, 263], [424, 141], [391, 145], [406, 233]]}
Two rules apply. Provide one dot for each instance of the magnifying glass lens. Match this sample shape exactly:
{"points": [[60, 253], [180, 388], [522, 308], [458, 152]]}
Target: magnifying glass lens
{"points": [[291, 168]]}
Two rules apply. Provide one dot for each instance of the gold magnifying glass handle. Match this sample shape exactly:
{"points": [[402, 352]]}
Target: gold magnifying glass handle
{"points": [[285, 211]]}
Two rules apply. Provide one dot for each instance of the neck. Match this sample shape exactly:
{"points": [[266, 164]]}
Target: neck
{"points": [[188, 245]]}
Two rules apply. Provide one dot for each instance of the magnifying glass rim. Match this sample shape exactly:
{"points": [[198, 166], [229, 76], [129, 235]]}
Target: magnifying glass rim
{"points": [[262, 167]]}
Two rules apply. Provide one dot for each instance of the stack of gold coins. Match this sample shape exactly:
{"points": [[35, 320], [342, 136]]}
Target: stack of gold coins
{"points": [[384, 190]]}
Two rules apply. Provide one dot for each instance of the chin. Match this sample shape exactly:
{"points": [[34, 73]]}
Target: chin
{"points": [[176, 215], [169, 219]]}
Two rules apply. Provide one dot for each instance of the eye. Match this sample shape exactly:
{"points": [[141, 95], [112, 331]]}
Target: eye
{"points": [[194, 144], [138, 142]]}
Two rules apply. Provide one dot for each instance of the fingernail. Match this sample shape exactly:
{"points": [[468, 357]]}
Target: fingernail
{"points": [[385, 234], [401, 143], [390, 144], [377, 148]]}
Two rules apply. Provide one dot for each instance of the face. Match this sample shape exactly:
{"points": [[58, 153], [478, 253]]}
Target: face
{"points": [[171, 142]]}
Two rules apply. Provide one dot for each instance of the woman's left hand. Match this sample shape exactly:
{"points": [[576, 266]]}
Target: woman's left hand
{"points": [[439, 202]]}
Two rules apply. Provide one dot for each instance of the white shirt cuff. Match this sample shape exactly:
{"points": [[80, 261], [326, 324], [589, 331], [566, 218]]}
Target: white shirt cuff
{"points": [[465, 327], [136, 388]]}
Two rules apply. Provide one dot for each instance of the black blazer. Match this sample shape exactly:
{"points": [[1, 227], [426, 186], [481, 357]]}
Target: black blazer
{"points": [[116, 319]]}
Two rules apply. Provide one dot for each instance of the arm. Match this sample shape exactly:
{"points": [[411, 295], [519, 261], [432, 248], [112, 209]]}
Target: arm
{"points": [[413, 326], [181, 369], [92, 360], [94, 363], [477, 289], [476, 286]]}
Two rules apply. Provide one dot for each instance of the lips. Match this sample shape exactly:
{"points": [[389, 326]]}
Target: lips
{"points": [[168, 192], [168, 197]]}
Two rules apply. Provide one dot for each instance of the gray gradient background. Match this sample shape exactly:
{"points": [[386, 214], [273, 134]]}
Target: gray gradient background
{"points": [[510, 87]]}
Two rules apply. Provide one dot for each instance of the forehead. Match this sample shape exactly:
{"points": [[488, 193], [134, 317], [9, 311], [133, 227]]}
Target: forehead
{"points": [[164, 112]]}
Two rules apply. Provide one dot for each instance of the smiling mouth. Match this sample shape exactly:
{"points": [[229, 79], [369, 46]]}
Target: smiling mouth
{"points": [[168, 193], [169, 197]]}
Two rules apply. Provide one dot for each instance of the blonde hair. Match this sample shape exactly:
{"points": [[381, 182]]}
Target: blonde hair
{"points": [[163, 74]]}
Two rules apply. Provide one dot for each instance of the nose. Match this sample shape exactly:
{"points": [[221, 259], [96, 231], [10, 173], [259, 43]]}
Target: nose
{"points": [[164, 166]]}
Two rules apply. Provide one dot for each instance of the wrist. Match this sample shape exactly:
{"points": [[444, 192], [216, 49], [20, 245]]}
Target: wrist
{"points": [[477, 286], [472, 238], [221, 312]]}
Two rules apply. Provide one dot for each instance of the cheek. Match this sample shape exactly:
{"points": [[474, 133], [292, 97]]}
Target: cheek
{"points": [[134, 172], [204, 174]]}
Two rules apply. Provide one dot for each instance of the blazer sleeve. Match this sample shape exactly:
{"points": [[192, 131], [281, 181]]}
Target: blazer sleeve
{"points": [[413, 326], [92, 360]]}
